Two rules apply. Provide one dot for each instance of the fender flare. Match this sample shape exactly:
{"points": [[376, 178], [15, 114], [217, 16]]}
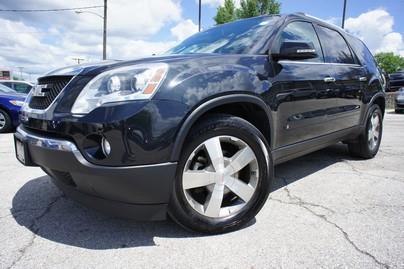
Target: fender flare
{"points": [[371, 102], [208, 105]]}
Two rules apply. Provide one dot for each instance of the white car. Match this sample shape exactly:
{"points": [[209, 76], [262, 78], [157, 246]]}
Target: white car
{"points": [[18, 85]]}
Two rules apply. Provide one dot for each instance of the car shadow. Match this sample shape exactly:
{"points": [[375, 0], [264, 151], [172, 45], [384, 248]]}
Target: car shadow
{"points": [[44, 210], [296, 169]]}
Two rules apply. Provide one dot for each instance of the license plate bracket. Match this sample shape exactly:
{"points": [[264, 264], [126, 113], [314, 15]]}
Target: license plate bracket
{"points": [[22, 152]]}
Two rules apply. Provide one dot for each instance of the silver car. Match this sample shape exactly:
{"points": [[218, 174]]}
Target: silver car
{"points": [[399, 104]]}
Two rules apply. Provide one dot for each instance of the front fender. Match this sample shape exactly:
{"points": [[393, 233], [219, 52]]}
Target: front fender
{"points": [[203, 108]]}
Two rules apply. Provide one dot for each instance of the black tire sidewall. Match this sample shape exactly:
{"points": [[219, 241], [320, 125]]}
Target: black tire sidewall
{"points": [[179, 207], [7, 126], [373, 152]]}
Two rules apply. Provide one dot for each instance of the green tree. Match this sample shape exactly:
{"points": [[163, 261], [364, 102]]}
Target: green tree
{"points": [[389, 61], [248, 8], [226, 13]]}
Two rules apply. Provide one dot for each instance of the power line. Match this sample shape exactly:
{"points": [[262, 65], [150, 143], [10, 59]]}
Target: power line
{"points": [[48, 10]]}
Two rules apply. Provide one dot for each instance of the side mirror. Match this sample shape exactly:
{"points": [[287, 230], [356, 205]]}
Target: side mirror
{"points": [[291, 50]]}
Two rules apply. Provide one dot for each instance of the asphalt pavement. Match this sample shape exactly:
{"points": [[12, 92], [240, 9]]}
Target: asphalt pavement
{"points": [[327, 210]]}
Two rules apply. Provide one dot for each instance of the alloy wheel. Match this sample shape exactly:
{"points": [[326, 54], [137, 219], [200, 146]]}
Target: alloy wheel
{"points": [[2, 121], [374, 130], [220, 176]]}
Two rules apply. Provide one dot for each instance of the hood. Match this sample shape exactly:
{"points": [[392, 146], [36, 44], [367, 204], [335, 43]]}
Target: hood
{"points": [[96, 68], [13, 96]]}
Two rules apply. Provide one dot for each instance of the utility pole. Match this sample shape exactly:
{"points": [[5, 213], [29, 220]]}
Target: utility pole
{"points": [[20, 68], [343, 15], [104, 35], [78, 60], [200, 11]]}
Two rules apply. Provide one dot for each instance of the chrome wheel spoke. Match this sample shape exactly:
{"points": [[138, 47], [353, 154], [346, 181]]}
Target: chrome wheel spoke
{"points": [[240, 188], [240, 160], [211, 177], [2, 121], [198, 178], [374, 131], [215, 153], [214, 201]]}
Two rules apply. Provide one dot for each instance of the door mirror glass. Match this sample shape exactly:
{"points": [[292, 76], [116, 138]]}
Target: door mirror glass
{"points": [[296, 50]]}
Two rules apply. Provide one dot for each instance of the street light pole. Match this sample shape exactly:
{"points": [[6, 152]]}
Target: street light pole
{"points": [[104, 34], [200, 11], [343, 15], [104, 28]]}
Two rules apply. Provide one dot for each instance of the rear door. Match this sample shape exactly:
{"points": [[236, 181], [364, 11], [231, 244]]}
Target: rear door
{"points": [[350, 77], [302, 93]]}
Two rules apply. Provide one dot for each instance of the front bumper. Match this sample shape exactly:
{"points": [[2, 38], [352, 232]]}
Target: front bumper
{"points": [[136, 192], [399, 103]]}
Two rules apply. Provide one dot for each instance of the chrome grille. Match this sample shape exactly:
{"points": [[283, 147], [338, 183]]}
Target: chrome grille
{"points": [[50, 89]]}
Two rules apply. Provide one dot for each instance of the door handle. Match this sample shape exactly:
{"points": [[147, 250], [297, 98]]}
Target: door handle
{"points": [[363, 79], [329, 79]]}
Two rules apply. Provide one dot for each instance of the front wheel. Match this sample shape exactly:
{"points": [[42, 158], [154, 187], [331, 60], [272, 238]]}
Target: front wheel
{"points": [[5, 122], [368, 142], [223, 178]]}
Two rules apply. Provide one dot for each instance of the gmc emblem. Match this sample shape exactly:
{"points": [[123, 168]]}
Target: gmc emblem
{"points": [[40, 90]]}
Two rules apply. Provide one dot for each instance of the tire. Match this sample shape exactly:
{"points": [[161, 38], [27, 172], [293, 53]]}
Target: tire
{"points": [[365, 147], [5, 122], [233, 135]]}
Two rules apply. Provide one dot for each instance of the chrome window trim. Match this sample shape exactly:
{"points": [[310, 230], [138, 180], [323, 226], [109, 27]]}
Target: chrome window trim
{"points": [[303, 62]]}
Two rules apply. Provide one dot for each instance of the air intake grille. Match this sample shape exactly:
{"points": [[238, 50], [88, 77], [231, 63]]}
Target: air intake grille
{"points": [[51, 87]]}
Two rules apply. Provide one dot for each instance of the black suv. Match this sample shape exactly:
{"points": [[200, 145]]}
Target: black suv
{"points": [[196, 133], [396, 80]]}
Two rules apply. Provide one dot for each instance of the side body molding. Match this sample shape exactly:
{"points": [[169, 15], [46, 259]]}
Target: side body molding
{"points": [[213, 103]]}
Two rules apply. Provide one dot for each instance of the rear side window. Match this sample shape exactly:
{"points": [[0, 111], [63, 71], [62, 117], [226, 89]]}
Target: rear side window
{"points": [[362, 52], [335, 48], [304, 32], [21, 87]]}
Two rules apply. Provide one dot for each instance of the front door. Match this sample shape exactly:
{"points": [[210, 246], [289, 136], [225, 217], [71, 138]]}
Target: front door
{"points": [[303, 92]]}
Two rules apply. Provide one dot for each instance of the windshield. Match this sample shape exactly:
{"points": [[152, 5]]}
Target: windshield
{"points": [[231, 38], [5, 89]]}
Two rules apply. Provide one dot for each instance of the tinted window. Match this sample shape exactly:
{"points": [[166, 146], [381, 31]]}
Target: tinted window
{"points": [[363, 53], [230, 38], [5, 89], [22, 87], [335, 48], [8, 84], [304, 32]]}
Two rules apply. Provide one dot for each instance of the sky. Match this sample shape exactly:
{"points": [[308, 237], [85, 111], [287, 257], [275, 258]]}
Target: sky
{"points": [[36, 42]]}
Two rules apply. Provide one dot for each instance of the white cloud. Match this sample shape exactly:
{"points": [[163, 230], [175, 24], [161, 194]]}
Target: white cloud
{"points": [[43, 41], [216, 3], [375, 28], [184, 29], [334, 20]]}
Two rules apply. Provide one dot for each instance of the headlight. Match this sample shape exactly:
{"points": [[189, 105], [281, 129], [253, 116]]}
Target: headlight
{"points": [[17, 102], [122, 84]]}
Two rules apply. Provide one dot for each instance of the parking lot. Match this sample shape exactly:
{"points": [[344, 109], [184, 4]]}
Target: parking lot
{"points": [[326, 210]]}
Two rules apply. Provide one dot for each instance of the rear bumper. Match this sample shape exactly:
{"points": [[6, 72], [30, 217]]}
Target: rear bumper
{"points": [[136, 192]]}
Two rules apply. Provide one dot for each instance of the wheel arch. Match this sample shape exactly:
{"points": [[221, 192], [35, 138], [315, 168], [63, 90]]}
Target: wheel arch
{"points": [[5, 109], [236, 104], [378, 99]]}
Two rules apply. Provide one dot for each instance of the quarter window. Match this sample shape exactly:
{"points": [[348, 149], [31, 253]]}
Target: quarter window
{"points": [[304, 32], [335, 47]]}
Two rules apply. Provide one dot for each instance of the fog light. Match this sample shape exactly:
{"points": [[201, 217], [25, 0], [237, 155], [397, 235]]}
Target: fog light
{"points": [[106, 147]]}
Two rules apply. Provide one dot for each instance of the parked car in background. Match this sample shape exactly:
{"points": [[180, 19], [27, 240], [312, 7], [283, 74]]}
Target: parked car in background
{"points": [[10, 104], [195, 133], [396, 80], [399, 104], [18, 85]]}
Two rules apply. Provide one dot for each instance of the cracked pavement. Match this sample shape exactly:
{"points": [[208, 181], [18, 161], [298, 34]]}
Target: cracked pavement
{"points": [[327, 210]]}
